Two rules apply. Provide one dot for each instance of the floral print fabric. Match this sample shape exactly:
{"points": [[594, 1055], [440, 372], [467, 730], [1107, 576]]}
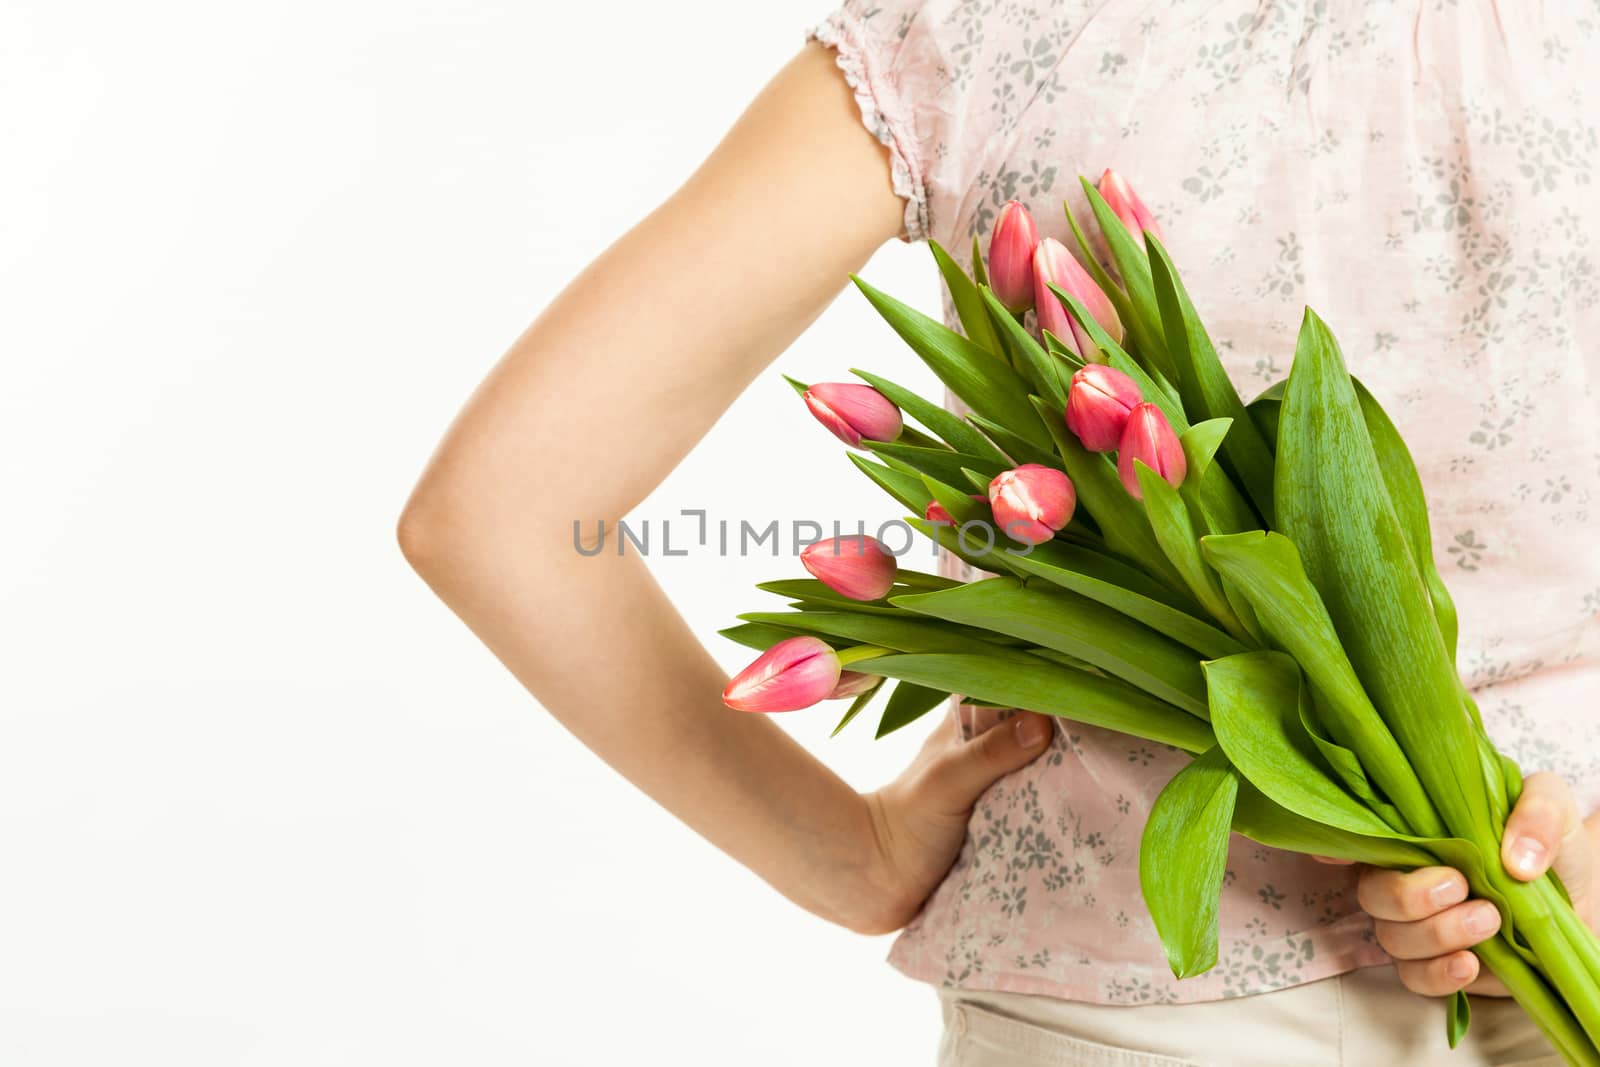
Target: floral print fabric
{"points": [[1422, 172]]}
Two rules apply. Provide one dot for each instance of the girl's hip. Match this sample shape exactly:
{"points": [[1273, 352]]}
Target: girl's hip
{"points": [[1362, 1018]]}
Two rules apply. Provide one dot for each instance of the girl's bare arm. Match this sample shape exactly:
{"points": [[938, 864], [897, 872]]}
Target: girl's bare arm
{"points": [[796, 196]]}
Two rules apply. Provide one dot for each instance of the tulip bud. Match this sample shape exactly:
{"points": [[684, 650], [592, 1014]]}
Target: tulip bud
{"points": [[1148, 438], [852, 412], [858, 566], [1011, 257], [1098, 404], [852, 684], [792, 674], [936, 512], [1053, 263], [1127, 206], [1032, 502]]}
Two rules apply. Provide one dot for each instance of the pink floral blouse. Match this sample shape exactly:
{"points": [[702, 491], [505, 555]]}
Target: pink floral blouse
{"points": [[1422, 173]]}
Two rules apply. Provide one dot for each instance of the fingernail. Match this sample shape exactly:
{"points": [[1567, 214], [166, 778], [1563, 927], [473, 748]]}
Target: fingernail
{"points": [[1448, 892], [1031, 731], [1480, 919], [1460, 968], [1527, 855]]}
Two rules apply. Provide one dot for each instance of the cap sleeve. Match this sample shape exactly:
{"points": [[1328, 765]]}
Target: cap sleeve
{"points": [[891, 62]]}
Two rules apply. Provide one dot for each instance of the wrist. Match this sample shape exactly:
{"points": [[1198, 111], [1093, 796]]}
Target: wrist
{"points": [[875, 896]]}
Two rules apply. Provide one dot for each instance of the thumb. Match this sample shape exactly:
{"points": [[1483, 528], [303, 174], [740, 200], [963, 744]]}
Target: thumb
{"points": [[964, 771], [1545, 831]]}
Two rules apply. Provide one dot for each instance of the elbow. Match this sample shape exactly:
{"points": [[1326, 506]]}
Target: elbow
{"points": [[442, 525], [451, 531], [422, 533]]}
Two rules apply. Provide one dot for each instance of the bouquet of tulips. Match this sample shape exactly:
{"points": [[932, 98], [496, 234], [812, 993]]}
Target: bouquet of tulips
{"points": [[1251, 583]]}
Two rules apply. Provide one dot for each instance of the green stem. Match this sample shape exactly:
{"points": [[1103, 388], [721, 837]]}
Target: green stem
{"points": [[857, 653], [1579, 937], [1563, 963], [1543, 1006]]}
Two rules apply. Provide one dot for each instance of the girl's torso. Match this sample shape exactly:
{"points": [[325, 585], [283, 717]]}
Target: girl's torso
{"points": [[1423, 174]]}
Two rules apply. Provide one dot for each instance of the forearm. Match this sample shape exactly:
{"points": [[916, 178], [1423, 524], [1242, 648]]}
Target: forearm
{"points": [[629, 679]]}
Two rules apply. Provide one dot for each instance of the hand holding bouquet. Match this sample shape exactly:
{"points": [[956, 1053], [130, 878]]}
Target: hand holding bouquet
{"points": [[1253, 584]]}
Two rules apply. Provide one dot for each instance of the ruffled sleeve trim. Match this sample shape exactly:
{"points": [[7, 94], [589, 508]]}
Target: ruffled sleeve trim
{"points": [[882, 113]]}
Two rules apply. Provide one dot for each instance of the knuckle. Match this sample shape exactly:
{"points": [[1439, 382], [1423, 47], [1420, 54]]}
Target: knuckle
{"points": [[1374, 889], [1415, 977], [1538, 810], [995, 744], [1544, 781], [1420, 901], [1429, 978], [1387, 934]]}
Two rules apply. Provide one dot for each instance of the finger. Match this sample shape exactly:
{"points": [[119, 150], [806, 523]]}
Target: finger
{"points": [[1332, 862], [1406, 896], [1543, 820], [977, 719], [1451, 930], [1438, 977], [964, 771]]}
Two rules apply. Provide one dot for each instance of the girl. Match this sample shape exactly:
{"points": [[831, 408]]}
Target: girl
{"points": [[1418, 170]]}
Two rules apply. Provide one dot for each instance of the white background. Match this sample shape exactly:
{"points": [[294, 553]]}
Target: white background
{"points": [[262, 799]]}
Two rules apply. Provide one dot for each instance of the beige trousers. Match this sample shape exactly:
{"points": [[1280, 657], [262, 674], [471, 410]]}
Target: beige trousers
{"points": [[1365, 1018]]}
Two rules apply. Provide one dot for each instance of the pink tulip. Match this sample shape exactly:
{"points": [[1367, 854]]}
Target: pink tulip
{"points": [[1032, 502], [1098, 404], [1128, 207], [1011, 257], [857, 566], [852, 412], [792, 674], [852, 684], [935, 511], [1148, 438], [1053, 263]]}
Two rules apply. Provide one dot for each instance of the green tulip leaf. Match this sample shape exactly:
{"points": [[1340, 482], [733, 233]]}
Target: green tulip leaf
{"points": [[1019, 449], [907, 633], [1256, 708], [949, 427], [975, 545], [1102, 277], [756, 635], [1175, 532], [1039, 367], [1182, 857], [1050, 689], [986, 385], [1208, 489], [1080, 627], [1458, 1016], [941, 463], [962, 508], [1267, 568], [1405, 494], [1084, 573], [967, 300], [1143, 320], [1333, 503], [1063, 351], [1204, 385], [906, 488], [857, 706], [908, 703]]}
